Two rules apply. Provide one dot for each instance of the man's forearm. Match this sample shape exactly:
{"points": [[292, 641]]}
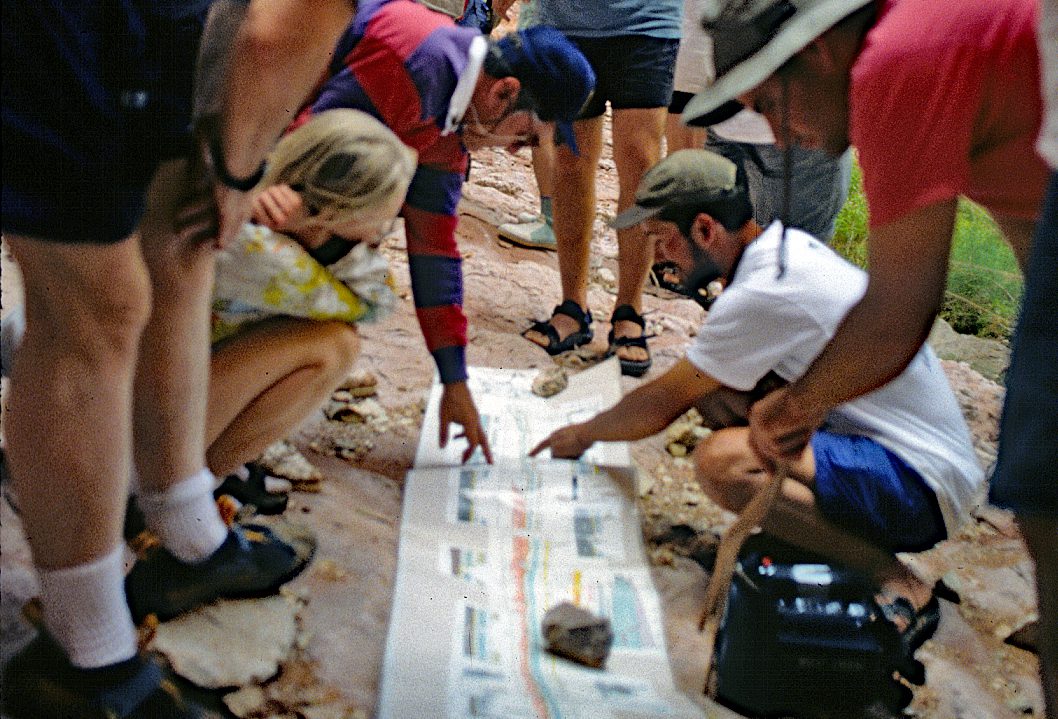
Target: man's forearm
{"points": [[280, 52], [651, 408]]}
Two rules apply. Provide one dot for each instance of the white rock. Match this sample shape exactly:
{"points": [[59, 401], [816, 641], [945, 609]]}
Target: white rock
{"points": [[324, 711], [230, 643], [370, 411], [646, 484], [283, 460], [247, 701]]}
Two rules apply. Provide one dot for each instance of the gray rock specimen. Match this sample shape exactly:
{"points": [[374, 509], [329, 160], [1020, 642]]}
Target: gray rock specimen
{"points": [[550, 382], [577, 634]]}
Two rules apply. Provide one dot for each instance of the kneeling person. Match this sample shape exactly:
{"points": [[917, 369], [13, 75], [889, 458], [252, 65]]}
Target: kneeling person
{"points": [[892, 471]]}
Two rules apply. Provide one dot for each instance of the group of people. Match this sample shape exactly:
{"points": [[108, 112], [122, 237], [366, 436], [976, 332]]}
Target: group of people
{"points": [[139, 372]]}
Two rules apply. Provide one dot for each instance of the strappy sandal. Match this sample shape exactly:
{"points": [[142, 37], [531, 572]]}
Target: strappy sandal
{"points": [[632, 368], [918, 627], [581, 336], [252, 490]]}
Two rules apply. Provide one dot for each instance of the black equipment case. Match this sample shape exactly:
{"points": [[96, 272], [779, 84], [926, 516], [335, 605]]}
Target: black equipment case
{"points": [[803, 637]]}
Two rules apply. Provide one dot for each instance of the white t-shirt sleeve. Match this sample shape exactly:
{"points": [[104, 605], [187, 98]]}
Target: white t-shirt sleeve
{"points": [[749, 333]]}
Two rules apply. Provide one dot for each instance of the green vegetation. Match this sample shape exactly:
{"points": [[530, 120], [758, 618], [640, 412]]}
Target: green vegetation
{"points": [[984, 283]]}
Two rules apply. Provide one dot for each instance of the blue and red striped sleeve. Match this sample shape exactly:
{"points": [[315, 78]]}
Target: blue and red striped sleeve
{"points": [[433, 258]]}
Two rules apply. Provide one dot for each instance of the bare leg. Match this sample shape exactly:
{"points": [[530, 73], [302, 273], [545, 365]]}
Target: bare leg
{"points": [[69, 427], [173, 370], [544, 166], [574, 207], [730, 474], [637, 137], [267, 379], [1041, 536], [680, 137]]}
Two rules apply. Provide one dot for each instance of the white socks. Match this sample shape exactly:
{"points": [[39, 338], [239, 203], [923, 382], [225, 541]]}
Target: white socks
{"points": [[185, 517], [86, 612]]}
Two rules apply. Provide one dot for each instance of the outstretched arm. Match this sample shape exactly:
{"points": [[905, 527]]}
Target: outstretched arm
{"points": [[908, 261], [436, 270], [279, 53], [641, 413]]}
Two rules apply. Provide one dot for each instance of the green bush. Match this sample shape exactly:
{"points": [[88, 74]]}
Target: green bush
{"points": [[984, 283]]}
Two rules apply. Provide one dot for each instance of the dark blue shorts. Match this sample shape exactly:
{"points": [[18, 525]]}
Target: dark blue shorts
{"points": [[631, 72], [1026, 476], [96, 93], [868, 491]]}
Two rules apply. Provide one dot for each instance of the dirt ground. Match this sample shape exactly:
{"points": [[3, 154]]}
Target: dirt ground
{"points": [[971, 671]]}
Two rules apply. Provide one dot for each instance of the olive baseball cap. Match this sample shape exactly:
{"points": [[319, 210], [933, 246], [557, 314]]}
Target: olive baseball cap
{"points": [[684, 178]]}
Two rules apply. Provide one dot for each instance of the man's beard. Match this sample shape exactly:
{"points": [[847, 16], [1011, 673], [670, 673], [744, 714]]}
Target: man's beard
{"points": [[704, 271]]}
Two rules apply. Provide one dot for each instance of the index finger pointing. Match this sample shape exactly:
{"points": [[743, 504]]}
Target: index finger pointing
{"points": [[540, 447], [485, 449]]}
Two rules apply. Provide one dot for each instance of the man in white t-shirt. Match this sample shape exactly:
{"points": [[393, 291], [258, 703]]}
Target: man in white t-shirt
{"points": [[892, 471]]}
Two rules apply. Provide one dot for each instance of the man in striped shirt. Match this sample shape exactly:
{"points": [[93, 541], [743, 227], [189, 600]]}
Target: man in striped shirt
{"points": [[445, 91]]}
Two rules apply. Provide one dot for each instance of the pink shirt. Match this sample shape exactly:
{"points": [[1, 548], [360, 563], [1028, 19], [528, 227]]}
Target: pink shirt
{"points": [[945, 101]]}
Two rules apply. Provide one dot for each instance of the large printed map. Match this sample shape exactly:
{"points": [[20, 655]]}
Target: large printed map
{"points": [[487, 550]]}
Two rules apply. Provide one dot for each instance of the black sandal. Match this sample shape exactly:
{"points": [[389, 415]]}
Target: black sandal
{"points": [[918, 627], [582, 336], [252, 491], [632, 368]]}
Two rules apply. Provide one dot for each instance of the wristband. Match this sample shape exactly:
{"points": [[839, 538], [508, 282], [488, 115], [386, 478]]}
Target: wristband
{"points": [[220, 170]]}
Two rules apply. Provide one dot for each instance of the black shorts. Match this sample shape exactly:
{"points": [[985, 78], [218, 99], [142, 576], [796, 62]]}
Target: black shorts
{"points": [[631, 71], [96, 93]]}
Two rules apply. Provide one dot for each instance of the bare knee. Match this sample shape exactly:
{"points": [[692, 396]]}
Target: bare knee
{"points": [[340, 345], [726, 468]]}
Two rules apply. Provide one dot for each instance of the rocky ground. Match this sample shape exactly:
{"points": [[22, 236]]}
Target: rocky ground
{"points": [[334, 621]]}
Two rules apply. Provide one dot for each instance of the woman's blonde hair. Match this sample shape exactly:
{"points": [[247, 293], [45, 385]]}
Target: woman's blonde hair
{"points": [[343, 163]]}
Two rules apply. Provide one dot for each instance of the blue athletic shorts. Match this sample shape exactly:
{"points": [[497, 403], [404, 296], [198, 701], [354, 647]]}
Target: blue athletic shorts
{"points": [[1026, 477], [96, 93], [868, 491], [631, 71]]}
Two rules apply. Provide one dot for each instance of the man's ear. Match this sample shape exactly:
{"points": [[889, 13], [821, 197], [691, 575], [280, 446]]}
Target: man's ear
{"points": [[703, 230], [506, 89]]}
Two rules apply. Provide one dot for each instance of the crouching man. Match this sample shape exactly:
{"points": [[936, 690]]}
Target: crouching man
{"points": [[892, 471]]}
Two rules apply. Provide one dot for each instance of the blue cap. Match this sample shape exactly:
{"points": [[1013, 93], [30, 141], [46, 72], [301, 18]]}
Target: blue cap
{"points": [[555, 76]]}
